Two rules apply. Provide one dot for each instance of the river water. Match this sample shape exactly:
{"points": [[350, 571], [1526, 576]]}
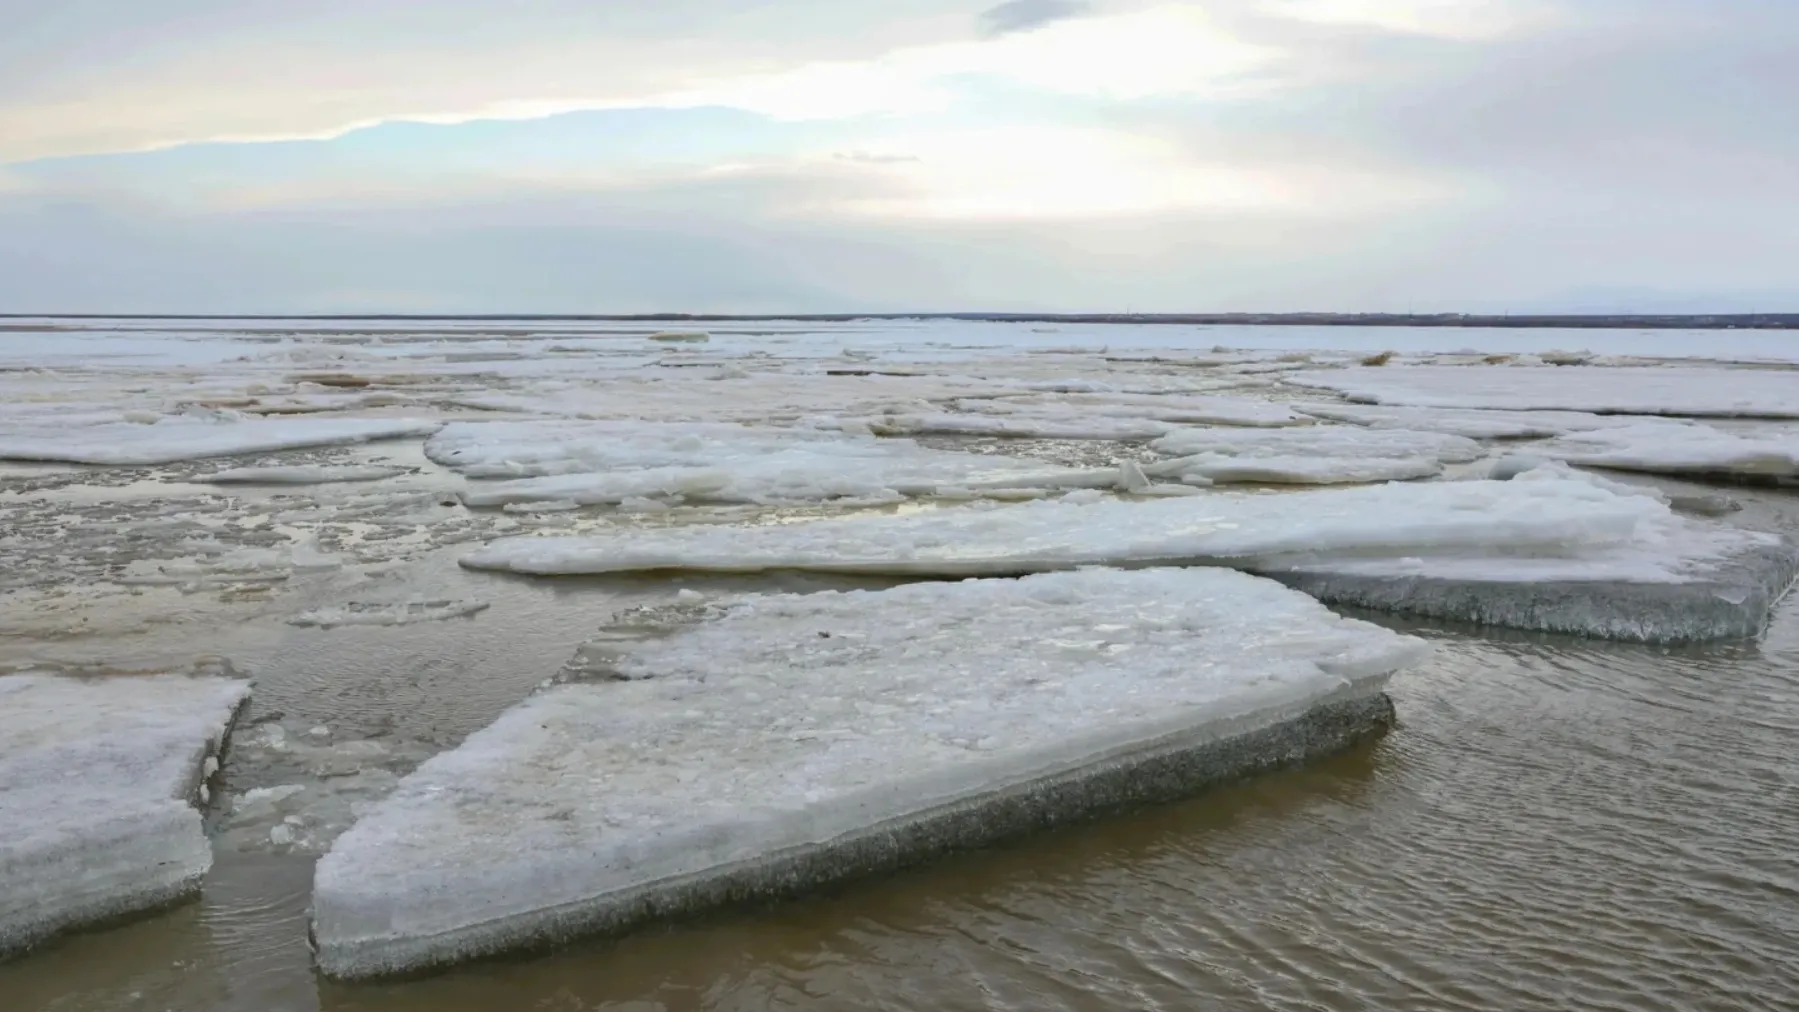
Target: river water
{"points": [[1553, 824]]}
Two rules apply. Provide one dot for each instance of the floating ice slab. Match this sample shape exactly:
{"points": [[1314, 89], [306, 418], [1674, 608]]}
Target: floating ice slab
{"points": [[97, 783], [301, 474], [1659, 448], [1221, 469], [1218, 527], [181, 437], [1342, 441], [796, 741], [1473, 423], [1044, 426], [1696, 392], [1557, 522], [388, 613], [589, 463], [1189, 409]]}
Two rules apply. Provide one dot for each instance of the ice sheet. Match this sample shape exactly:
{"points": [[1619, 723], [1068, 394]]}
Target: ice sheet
{"points": [[1319, 441], [1696, 392], [1679, 449], [97, 783], [1186, 409], [301, 474], [1473, 423], [1548, 516], [1221, 469], [798, 740], [589, 463], [1044, 426], [185, 437]]}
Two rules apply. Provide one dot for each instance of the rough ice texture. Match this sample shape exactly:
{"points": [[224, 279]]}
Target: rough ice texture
{"points": [[1320, 441], [1660, 448], [301, 474], [181, 437], [800, 740], [97, 783], [1223, 469], [1044, 426], [388, 613], [1473, 423], [1184, 408], [1685, 391], [1548, 525], [589, 463]]}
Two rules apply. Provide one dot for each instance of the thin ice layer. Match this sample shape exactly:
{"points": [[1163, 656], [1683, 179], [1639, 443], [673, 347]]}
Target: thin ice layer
{"points": [[183, 437], [1695, 392], [1038, 426], [589, 463], [301, 474], [1319, 441], [799, 740], [97, 780], [1183, 408], [1547, 516], [1472, 423], [1659, 448], [1223, 469], [524, 449]]}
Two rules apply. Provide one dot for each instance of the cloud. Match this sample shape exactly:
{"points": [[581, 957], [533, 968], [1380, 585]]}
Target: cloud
{"points": [[1024, 15]]}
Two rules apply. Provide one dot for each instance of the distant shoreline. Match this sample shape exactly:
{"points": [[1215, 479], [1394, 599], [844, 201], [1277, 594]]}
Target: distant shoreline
{"points": [[1735, 321]]}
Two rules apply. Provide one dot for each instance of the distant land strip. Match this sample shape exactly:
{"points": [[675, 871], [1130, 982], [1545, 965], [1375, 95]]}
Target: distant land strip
{"points": [[1735, 321]]}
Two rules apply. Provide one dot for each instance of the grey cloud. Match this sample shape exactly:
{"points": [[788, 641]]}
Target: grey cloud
{"points": [[1025, 15]]}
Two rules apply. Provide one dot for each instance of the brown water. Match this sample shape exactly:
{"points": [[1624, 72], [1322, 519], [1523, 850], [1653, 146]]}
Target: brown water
{"points": [[1554, 824]]}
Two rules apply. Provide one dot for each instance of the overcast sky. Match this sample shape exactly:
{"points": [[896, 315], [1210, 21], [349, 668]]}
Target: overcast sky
{"points": [[836, 155]]}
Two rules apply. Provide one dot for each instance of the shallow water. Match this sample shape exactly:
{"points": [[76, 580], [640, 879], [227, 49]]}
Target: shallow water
{"points": [[1554, 824]]}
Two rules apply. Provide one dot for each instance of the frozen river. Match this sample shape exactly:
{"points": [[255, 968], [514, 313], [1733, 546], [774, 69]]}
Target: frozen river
{"points": [[1554, 822]]}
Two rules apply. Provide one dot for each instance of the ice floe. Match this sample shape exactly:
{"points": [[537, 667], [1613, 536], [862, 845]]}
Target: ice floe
{"points": [[388, 613], [795, 741], [1660, 448], [589, 463], [1570, 524], [1678, 391], [1472, 423], [98, 780], [301, 474], [187, 437], [1312, 455]]}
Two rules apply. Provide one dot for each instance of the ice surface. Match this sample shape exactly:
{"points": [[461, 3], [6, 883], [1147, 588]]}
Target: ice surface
{"points": [[1221, 527], [799, 740], [1342, 441], [1696, 392], [388, 612], [1627, 551], [1044, 426], [185, 437], [1660, 448], [1160, 407], [301, 474], [97, 783], [591, 463], [1473, 423], [1222, 469]]}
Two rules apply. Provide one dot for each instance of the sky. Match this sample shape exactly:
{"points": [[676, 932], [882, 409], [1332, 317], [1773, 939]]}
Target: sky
{"points": [[768, 156]]}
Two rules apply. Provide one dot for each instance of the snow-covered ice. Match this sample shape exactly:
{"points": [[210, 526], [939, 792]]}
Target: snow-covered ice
{"points": [[1660, 448], [1565, 522], [1472, 423], [795, 741], [98, 779], [186, 437], [302, 474], [388, 613], [1042, 426], [1183, 408], [1310, 455], [1678, 391], [525, 449]]}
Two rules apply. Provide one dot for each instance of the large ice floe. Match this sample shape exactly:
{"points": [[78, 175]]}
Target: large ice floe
{"points": [[1682, 391], [589, 463], [1472, 423], [792, 741], [1311, 455], [1100, 416], [1697, 450], [1552, 550], [98, 780], [170, 438]]}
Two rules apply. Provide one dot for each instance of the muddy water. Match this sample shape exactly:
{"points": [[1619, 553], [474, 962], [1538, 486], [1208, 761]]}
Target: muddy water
{"points": [[1553, 825]]}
